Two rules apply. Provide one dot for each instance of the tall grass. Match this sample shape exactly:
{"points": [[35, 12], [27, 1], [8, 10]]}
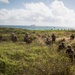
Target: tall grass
{"points": [[36, 58]]}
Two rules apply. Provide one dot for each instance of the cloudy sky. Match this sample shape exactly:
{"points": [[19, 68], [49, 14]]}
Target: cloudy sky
{"points": [[38, 12]]}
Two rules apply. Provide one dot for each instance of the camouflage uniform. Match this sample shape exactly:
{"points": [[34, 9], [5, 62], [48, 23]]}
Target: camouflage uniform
{"points": [[72, 37], [70, 53], [61, 46], [27, 38], [53, 38], [13, 37], [48, 41]]}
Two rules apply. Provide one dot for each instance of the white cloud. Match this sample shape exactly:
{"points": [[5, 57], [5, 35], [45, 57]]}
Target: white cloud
{"points": [[40, 14], [4, 1]]}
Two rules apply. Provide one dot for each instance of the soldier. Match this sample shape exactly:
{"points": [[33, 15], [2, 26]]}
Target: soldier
{"points": [[61, 46], [53, 38], [27, 38], [72, 37], [70, 52], [13, 37], [48, 41]]}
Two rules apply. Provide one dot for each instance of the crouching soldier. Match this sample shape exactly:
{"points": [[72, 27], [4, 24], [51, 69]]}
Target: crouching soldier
{"points": [[61, 46], [70, 53], [27, 38], [72, 37], [13, 37], [48, 41]]}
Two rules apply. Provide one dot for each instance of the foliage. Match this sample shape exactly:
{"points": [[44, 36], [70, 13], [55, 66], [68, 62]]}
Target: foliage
{"points": [[36, 58]]}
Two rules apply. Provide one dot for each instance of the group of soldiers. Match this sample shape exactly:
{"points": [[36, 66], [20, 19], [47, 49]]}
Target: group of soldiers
{"points": [[61, 46], [50, 41], [14, 38], [69, 50]]}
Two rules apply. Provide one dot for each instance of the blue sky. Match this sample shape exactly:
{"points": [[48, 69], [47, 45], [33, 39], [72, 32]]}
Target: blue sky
{"points": [[19, 3], [39, 12]]}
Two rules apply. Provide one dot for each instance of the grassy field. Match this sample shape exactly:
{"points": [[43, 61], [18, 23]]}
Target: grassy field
{"points": [[36, 58]]}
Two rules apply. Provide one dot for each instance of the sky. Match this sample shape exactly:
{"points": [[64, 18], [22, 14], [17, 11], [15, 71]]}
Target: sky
{"points": [[38, 12]]}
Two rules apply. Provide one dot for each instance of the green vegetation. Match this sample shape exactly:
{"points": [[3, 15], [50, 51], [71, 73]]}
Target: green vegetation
{"points": [[36, 58]]}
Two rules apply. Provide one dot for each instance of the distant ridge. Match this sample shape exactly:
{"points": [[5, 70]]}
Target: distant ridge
{"points": [[34, 27]]}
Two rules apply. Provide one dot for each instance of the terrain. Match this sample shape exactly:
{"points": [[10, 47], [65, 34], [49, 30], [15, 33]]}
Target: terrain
{"points": [[36, 58]]}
